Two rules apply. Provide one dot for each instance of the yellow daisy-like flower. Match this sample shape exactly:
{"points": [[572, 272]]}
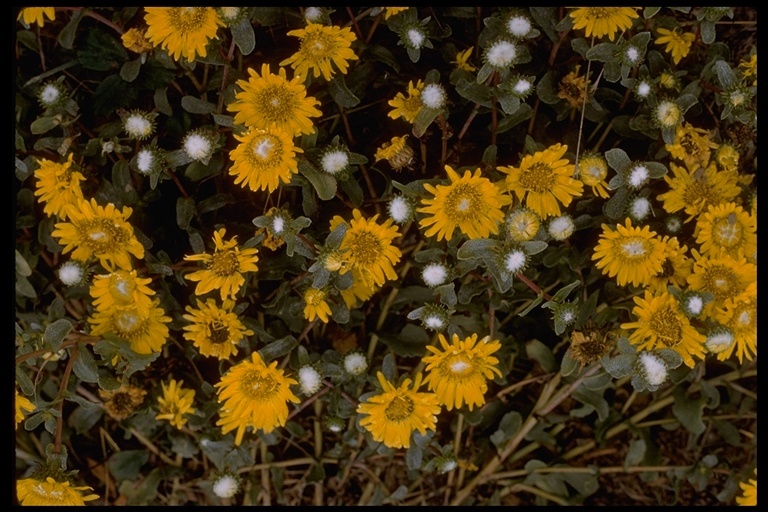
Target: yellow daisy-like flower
{"points": [[368, 250], [315, 305], [22, 404], [693, 146], [749, 489], [407, 107], [30, 15], [523, 224], [122, 402], [678, 43], [58, 184], [748, 69], [224, 268], [121, 288], [458, 373], [136, 40], [544, 181], [470, 203], [724, 277], [740, 316], [183, 31], [603, 21], [695, 191], [573, 88], [396, 412], [271, 98], [632, 254], [661, 324], [51, 492], [359, 292], [396, 152], [101, 232], [214, 330], [462, 60], [727, 229], [254, 395], [320, 47], [264, 159], [175, 403], [592, 170], [727, 157], [391, 11], [675, 268], [144, 329]]}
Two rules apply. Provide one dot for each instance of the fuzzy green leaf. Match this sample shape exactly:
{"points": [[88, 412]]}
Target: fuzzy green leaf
{"points": [[244, 36], [341, 94], [324, 185], [195, 105], [56, 332], [84, 365]]}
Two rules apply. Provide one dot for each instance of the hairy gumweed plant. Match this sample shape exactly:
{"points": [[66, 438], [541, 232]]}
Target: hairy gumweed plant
{"points": [[425, 255]]}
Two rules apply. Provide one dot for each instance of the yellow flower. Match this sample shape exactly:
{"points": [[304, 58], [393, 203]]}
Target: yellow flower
{"points": [[122, 402], [407, 107], [95, 231], [661, 324], [270, 98], [254, 395], [368, 250], [30, 15], [359, 292], [740, 316], [391, 11], [724, 277], [573, 88], [321, 46], [592, 170], [182, 30], [136, 40], [749, 69], [175, 403], [632, 254], [675, 268], [264, 158], [727, 157], [523, 224], [749, 498], [695, 191], [459, 372], [462, 60], [315, 305], [727, 229], [544, 180], [22, 404], [121, 288], [396, 412], [470, 203], [144, 329], [396, 152], [58, 184], [678, 43], [224, 268], [603, 21], [48, 492], [215, 331], [692, 145]]}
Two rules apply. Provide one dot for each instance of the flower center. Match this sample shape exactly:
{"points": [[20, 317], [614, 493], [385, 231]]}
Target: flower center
{"points": [[365, 247], [539, 178], [721, 282], [462, 202], [257, 386], [128, 324], [399, 409], [726, 233], [666, 325], [219, 332], [635, 248], [276, 103], [224, 263], [456, 367], [187, 19], [317, 46]]}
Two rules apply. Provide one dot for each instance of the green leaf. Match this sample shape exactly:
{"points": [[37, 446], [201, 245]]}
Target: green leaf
{"points": [[126, 464], [24, 288], [535, 302], [130, 70], [563, 292], [244, 36], [195, 105], [545, 89], [100, 51], [447, 294], [413, 458], [533, 247], [56, 332], [688, 411], [615, 207], [508, 426], [84, 365], [44, 123], [382, 54], [224, 120], [161, 101], [424, 118], [324, 184], [708, 33], [618, 160], [185, 211], [341, 94], [409, 342], [635, 453], [22, 267], [603, 52], [542, 354], [475, 92], [477, 248], [650, 12], [725, 74], [278, 348], [67, 35]]}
